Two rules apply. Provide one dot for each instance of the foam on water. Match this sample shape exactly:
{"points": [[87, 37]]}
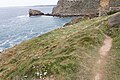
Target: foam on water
{"points": [[1, 49], [23, 16], [4, 42]]}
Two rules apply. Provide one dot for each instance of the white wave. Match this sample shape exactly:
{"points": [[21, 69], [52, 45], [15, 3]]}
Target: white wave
{"points": [[11, 45], [23, 16], [1, 49], [46, 16], [31, 31], [14, 41], [25, 37], [4, 42]]}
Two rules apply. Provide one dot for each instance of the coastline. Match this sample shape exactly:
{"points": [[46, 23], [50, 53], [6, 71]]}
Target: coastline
{"points": [[38, 47], [61, 53]]}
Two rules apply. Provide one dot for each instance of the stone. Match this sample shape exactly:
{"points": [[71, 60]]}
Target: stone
{"points": [[114, 21], [35, 12]]}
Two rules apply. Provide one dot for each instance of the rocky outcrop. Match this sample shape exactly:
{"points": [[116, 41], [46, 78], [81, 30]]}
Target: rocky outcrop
{"points": [[114, 3], [83, 7], [114, 21], [35, 12], [108, 7], [113, 10], [76, 7], [73, 21]]}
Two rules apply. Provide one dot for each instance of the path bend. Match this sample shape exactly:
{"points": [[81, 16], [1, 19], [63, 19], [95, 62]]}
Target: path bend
{"points": [[104, 51]]}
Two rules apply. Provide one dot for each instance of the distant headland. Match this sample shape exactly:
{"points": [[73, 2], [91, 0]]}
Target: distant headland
{"points": [[68, 8]]}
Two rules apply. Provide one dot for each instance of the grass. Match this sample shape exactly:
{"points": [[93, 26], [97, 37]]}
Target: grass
{"points": [[113, 66], [67, 53]]}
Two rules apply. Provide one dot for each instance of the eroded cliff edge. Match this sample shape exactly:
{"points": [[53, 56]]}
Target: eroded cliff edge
{"points": [[83, 7]]}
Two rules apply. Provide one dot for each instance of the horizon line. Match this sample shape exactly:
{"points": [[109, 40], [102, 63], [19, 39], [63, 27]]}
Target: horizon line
{"points": [[27, 6]]}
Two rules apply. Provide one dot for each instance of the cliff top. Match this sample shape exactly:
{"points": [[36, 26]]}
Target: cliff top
{"points": [[70, 53]]}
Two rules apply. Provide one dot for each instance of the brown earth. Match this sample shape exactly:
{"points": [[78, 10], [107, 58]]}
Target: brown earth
{"points": [[104, 51]]}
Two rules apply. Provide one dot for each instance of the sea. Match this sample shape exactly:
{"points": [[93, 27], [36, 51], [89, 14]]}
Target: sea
{"points": [[16, 25]]}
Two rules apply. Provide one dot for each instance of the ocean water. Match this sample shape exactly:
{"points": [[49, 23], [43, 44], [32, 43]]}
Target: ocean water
{"points": [[16, 25]]}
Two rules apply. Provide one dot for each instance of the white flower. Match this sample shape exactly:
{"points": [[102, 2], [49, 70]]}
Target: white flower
{"points": [[25, 76], [45, 73], [40, 77], [37, 73], [41, 74]]}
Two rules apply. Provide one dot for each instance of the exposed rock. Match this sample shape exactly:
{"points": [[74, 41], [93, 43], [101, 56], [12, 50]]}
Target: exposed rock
{"points": [[103, 13], [48, 14], [35, 12], [73, 21], [114, 21], [114, 3], [108, 6], [83, 7], [76, 7], [113, 10]]}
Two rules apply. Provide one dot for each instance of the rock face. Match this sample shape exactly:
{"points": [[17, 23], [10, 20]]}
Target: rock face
{"points": [[114, 8], [114, 3], [35, 12], [76, 7], [73, 21], [108, 6], [83, 7], [114, 21]]}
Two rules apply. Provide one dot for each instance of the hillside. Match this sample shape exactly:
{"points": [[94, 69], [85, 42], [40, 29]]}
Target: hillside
{"points": [[67, 53]]}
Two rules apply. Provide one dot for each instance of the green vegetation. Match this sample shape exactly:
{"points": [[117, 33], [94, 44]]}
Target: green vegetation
{"points": [[113, 62], [68, 53], [113, 12]]}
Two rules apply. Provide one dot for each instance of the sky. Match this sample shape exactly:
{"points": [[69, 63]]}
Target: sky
{"points": [[7, 3]]}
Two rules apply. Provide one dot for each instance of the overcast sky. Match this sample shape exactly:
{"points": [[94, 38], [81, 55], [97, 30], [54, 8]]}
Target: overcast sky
{"points": [[7, 3]]}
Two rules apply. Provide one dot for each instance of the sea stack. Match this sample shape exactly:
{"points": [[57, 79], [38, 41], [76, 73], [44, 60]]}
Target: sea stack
{"points": [[35, 12]]}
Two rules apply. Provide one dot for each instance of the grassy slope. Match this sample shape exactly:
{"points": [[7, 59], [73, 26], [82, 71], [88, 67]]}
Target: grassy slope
{"points": [[113, 62], [67, 53]]}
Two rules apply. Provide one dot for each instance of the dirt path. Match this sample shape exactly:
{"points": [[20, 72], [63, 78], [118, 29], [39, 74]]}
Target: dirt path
{"points": [[99, 72]]}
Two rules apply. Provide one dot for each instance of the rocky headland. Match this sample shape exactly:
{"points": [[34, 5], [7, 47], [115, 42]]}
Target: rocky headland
{"points": [[84, 7]]}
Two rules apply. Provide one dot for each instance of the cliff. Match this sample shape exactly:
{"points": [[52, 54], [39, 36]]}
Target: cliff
{"points": [[83, 7], [76, 7], [69, 53], [114, 3]]}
